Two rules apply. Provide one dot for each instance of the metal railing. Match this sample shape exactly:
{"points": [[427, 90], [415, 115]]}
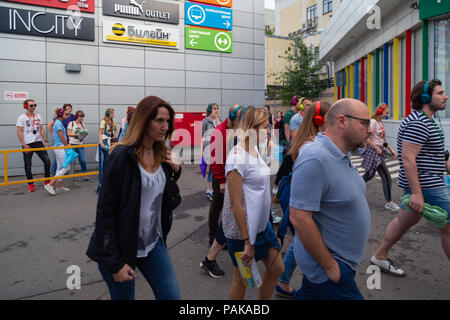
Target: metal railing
{"points": [[6, 181]]}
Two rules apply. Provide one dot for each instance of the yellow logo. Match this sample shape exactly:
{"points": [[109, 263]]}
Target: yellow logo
{"points": [[118, 29]]}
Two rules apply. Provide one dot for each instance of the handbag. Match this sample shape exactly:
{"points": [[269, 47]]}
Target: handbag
{"points": [[171, 186]]}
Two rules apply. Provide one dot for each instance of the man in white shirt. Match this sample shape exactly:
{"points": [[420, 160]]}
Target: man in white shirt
{"points": [[31, 135]]}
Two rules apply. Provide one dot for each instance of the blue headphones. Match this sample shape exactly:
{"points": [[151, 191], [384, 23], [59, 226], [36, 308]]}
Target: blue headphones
{"points": [[233, 114], [107, 112], [209, 110], [425, 97], [242, 113]]}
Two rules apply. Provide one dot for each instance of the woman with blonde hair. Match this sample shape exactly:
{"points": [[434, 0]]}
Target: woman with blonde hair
{"points": [[246, 211], [107, 133], [374, 155], [135, 204], [314, 121]]}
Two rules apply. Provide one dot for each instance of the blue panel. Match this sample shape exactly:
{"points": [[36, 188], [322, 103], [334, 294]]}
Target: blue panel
{"points": [[386, 73], [208, 16], [357, 80]]}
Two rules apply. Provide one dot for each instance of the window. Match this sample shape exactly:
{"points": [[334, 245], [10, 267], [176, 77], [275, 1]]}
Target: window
{"points": [[442, 56], [327, 6], [311, 13]]}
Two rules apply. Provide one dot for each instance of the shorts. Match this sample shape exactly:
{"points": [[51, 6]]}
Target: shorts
{"points": [[435, 197], [264, 242]]}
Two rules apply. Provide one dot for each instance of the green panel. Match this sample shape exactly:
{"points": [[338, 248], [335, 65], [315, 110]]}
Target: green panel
{"points": [[425, 50], [433, 8], [208, 39]]}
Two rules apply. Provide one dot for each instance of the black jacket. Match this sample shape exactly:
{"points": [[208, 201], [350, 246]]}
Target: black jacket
{"points": [[115, 238]]}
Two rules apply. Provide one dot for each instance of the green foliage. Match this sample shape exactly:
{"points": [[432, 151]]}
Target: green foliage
{"points": [[301, 75]]}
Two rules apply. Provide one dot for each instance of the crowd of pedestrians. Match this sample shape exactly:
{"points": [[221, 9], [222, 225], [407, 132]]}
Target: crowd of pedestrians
{"points": [[327, 206]]}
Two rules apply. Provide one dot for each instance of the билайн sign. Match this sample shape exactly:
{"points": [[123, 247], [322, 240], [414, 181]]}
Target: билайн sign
{"points": [[156, 11]]}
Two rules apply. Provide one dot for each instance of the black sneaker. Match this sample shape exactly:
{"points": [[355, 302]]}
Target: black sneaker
{"points": [[212, 268]]}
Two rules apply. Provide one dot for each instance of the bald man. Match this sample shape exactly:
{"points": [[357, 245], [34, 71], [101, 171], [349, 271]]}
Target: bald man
{"points": [[328, 206]]}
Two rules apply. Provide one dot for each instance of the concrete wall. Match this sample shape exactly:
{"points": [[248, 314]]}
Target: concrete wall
{"points": [[116, 76]]}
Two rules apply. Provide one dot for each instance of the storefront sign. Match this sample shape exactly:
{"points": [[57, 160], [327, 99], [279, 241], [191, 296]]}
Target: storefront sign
{"points": [[140, 33], [82, 5], [15, 95], [208, 16], [223, 3], [38, 23], [156, 11], [433, 8], [208, 39]]}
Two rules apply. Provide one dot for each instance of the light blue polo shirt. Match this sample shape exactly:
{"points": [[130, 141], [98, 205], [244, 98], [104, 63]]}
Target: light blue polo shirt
{"points": [[325, 182], [58, 126], [295, 122]]}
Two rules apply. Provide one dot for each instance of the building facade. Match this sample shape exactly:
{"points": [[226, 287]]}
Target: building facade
{"points": [[83, 57], [381, 48]]}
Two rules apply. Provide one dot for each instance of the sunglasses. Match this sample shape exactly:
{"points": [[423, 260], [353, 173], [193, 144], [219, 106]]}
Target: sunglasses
{"points": [[32, 105], [364, 122]]}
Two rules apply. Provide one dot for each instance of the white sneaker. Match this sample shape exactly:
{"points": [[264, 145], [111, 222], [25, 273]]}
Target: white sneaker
{"points": [[62, 189], [50, 189], [391, 206], [275, 219], [388, 267], [274, 190]]}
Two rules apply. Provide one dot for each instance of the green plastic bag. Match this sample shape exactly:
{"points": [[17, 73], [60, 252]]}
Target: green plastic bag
{"points": [[434, 214]]}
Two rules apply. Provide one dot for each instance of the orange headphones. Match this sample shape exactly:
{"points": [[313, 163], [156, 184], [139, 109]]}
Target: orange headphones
{"points": [[318, 118], [380, 111]]}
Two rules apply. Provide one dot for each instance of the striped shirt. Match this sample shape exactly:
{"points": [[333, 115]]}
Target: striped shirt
{"points": [[420, 130]]}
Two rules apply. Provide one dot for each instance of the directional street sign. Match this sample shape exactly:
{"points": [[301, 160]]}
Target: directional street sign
{"points": [[223, 3], [208, 16], [208, 39]]}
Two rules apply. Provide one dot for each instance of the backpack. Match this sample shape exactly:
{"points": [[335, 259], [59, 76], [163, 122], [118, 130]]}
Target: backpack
{"points": [[283, 195]]}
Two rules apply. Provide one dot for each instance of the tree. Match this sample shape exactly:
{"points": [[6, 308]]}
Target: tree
{"points": [[301, 76]]}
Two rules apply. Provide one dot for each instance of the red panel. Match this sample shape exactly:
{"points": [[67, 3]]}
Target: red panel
{"points": [[192, 122], [82, 5], [223, 3], [408, 73]]}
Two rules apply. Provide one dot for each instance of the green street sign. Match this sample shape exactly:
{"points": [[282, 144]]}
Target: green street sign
{"points": [[208, 39]]}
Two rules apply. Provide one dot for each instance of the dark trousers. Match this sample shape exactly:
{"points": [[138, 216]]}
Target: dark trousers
{"points": [[216, 232], [385, 176], [41, 154]]}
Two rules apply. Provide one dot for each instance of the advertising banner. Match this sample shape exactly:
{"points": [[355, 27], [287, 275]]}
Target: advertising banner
{"points": [[45, 24], [208, 39], [223, 3], [140, 33], [208, 16], [82, 5], [156, 11]]}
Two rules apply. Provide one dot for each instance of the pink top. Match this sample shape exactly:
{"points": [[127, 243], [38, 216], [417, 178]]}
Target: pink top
{"points": [[379, 133]]}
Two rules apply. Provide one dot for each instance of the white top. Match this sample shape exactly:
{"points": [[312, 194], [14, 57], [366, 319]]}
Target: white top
{"points": [[150, 229], [30, 124], [256, 194], [76, 128]]}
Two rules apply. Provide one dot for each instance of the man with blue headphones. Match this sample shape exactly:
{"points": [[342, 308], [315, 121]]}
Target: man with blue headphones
{"points": [[423, 162]]}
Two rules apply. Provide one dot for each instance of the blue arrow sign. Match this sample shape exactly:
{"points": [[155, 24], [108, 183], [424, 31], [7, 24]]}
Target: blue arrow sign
{"points": [[208, 16]]}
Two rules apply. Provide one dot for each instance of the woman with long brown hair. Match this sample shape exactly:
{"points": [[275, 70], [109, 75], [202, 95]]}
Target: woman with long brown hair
{"points": [[134, 210], [246, 210], [313, 123]]}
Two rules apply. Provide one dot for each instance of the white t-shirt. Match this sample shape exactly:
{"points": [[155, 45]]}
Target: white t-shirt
{"points": [[29, 124], [256, 194], [76, 128], [150, 229]]}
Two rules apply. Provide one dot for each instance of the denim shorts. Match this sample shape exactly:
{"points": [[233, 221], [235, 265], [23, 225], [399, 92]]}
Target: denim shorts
{"points": [[264, 242], [435, 197]]}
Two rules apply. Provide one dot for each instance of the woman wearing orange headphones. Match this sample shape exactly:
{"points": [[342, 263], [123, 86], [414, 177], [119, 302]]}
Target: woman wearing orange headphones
{"points": [[374, 160]]}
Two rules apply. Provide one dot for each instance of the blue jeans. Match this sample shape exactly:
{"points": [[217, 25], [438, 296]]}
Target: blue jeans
{"points": [[105, 153], [81, 158], [345, 289], [289, 264], [436, 197], [53, 167], [156, 268]]}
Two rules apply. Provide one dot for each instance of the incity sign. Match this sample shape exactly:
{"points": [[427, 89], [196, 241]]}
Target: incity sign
{"points": [[149, 10], [82, 5], [38, 23], [140, 33]]}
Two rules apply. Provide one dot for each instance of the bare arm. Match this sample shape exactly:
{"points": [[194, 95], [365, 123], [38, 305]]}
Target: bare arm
{"points": [[287, 132], [50, 127], [20, 136], [306, 230], [234, 182], [373, 145], [62, 137], [409, 154]]}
